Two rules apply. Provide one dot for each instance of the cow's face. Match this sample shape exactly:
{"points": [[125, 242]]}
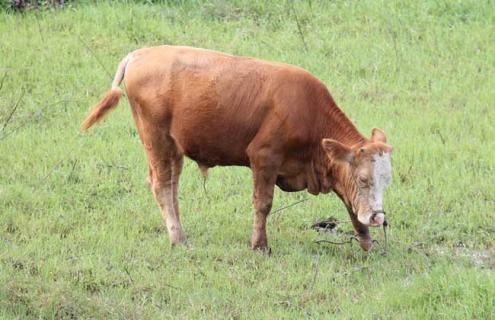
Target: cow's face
{"points": [[362, 173]]}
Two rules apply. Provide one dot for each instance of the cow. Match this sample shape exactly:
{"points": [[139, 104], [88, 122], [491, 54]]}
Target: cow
{"points": [[277, 119]]}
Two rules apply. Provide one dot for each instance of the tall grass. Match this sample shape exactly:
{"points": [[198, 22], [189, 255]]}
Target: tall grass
{"points": [[80, 233]]}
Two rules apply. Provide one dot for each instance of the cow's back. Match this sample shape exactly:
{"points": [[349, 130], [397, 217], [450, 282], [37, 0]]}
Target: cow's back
{"points": [[214, 104]]}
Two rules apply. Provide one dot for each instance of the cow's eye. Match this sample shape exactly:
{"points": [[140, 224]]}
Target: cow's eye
{"points": [[363, 180]]}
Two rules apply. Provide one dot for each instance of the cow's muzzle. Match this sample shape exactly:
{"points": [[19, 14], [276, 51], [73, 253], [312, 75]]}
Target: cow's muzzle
{"points": [[374, 219], [377, 218]]}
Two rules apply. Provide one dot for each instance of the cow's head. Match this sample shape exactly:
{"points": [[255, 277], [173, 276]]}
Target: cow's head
{"points": [[361, 174]]}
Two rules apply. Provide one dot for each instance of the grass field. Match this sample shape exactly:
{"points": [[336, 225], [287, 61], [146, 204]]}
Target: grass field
{"points": [[82, 237]]}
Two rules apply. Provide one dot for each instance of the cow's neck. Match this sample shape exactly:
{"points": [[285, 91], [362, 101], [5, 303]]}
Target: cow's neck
{"points": [[339, 127]]}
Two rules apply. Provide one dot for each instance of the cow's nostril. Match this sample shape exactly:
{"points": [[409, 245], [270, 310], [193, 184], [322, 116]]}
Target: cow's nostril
{"points": [[377, 219]]}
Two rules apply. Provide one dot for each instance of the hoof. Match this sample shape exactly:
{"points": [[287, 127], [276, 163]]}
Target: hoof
{"points": [[186, 244], [264, 249], [177, 239]]}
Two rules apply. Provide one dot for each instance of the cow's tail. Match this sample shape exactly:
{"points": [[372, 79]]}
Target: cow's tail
{"points": [[109, 100]]}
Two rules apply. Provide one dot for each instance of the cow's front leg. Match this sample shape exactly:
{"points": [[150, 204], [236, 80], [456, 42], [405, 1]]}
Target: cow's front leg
{"points": [[264, 182]]}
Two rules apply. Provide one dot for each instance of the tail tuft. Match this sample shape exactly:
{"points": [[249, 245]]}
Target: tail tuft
{"points": [[106, 104], [111, 98]]}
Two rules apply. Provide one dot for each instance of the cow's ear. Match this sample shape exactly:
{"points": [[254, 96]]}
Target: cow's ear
{"points": [[337, 151], [377, 135]]}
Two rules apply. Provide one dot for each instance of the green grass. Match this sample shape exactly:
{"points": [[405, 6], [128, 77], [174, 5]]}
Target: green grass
{"points": [[81, 235]]}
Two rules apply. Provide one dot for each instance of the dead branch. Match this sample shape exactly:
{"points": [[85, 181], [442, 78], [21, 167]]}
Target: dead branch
{"points": [[13, 111], [299, 29], [290, 205], [95, 56]]}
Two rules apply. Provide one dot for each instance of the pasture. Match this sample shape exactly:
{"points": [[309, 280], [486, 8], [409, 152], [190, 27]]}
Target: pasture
{"points": [[82, 237]]}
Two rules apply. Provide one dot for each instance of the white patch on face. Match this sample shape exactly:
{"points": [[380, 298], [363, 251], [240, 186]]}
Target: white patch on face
{"points": [[382, 177]]}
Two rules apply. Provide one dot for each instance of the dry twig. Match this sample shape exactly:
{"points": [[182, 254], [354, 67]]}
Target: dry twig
{"points": [[13, 111], [299, 29], [290, 205]]}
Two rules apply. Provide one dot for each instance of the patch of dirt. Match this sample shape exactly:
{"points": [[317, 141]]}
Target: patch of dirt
{"points": [[326, 225], [479, 258]]}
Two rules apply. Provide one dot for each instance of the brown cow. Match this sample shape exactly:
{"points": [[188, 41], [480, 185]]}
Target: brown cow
{"points": [[277, 119]]}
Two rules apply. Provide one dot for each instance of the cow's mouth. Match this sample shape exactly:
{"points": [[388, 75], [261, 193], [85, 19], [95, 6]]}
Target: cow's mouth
{"points": [[375, 219], [365, 242]]}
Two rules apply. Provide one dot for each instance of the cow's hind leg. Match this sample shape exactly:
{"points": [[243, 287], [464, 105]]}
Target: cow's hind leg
{"points": [[165, 185], [165, 167]]}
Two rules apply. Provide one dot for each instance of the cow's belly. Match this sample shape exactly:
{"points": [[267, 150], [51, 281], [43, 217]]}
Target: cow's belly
{"points": [[214, 156], [215, 134], [214, 147]]}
